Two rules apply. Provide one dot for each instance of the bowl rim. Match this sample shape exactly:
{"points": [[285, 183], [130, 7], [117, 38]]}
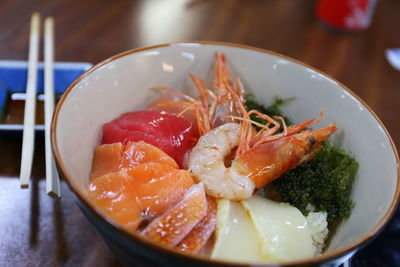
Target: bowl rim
{"points": [[363, 240]]}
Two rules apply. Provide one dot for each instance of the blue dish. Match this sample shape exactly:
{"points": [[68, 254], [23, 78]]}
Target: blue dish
{"points": [[3, 99], [13, 75]]}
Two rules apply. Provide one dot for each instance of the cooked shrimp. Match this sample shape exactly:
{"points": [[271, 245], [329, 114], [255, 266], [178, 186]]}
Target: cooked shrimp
{"points": [[266, 159], [206, 162]]}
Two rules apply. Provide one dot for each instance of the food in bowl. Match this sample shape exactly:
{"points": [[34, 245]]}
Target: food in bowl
{"points": [[188, 167]]}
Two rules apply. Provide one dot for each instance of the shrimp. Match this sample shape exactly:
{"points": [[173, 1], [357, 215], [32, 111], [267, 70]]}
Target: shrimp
{"points": [[266, 159], [206, 162]]}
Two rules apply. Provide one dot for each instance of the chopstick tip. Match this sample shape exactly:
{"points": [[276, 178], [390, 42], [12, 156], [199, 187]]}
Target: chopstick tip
{"points": [[35, 21], [49, 20], [35, 17], [53, 194], [24, 186]]}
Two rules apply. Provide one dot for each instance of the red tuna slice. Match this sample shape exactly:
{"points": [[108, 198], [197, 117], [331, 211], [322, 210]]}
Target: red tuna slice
{"points": [[170, 228], [172, 134], [169, 103], [200, 234]]}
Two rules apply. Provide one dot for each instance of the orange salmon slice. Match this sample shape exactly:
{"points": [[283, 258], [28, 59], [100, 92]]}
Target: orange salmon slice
{"points": [[159, 186], [107, 158], [114, 157], [155, 186], [113, 194], [141, 152]]}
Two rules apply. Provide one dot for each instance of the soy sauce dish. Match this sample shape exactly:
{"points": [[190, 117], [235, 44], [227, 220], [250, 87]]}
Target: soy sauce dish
{"points": [[122, 83]]}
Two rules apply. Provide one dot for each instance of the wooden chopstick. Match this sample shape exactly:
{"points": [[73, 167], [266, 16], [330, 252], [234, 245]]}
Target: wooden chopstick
{"points": [[52, 179], [28, 138]]}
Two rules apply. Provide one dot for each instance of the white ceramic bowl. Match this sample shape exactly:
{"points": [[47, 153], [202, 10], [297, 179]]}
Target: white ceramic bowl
{"points": [[122, 83]]}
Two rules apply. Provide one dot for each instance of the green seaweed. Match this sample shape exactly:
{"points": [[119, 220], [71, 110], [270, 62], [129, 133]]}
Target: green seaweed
{"points": [[324, 182]]}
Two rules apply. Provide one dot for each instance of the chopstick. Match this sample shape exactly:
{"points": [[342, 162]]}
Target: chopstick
{"points": [[30, 103], [52, 179]]}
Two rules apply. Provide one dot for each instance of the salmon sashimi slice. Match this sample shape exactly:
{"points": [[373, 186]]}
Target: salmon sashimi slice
{"points": [[159, 186], [172, 227], [156, 186], [142, 152], [114, 195], [107, 158], [201, 233], [114, 157]]}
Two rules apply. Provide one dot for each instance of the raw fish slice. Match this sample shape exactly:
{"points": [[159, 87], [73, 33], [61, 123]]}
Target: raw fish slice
{"points": [[106, 159], [200, 234], [114, 196], [146, 121], [172, 227], [172, 134], [145, 190], [114, 157], [159, 186], [176, 107], [113, 134], [142, 152]]}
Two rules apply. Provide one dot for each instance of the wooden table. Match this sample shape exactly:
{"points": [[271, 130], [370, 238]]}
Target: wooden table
{"points": [[36, 230]]}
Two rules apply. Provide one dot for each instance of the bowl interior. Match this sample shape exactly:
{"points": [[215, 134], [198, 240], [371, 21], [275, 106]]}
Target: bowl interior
{"points": [[123, 83]]}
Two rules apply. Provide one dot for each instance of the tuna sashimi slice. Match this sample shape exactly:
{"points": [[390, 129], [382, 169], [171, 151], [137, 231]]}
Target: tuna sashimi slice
{"points": [[173, 134], [169, 103]]}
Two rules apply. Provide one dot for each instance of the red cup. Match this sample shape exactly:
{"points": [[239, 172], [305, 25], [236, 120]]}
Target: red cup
{"points": [[352, 15]]}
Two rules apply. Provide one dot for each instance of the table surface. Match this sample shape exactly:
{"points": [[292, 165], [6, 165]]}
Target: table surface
{"points": [[39, 231]]}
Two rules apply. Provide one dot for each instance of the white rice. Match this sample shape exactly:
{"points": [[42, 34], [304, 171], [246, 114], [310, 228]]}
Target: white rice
{"points": [[318, 226]]}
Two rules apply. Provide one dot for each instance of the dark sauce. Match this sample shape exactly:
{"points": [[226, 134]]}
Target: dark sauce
{"points": [[14, 110]]}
